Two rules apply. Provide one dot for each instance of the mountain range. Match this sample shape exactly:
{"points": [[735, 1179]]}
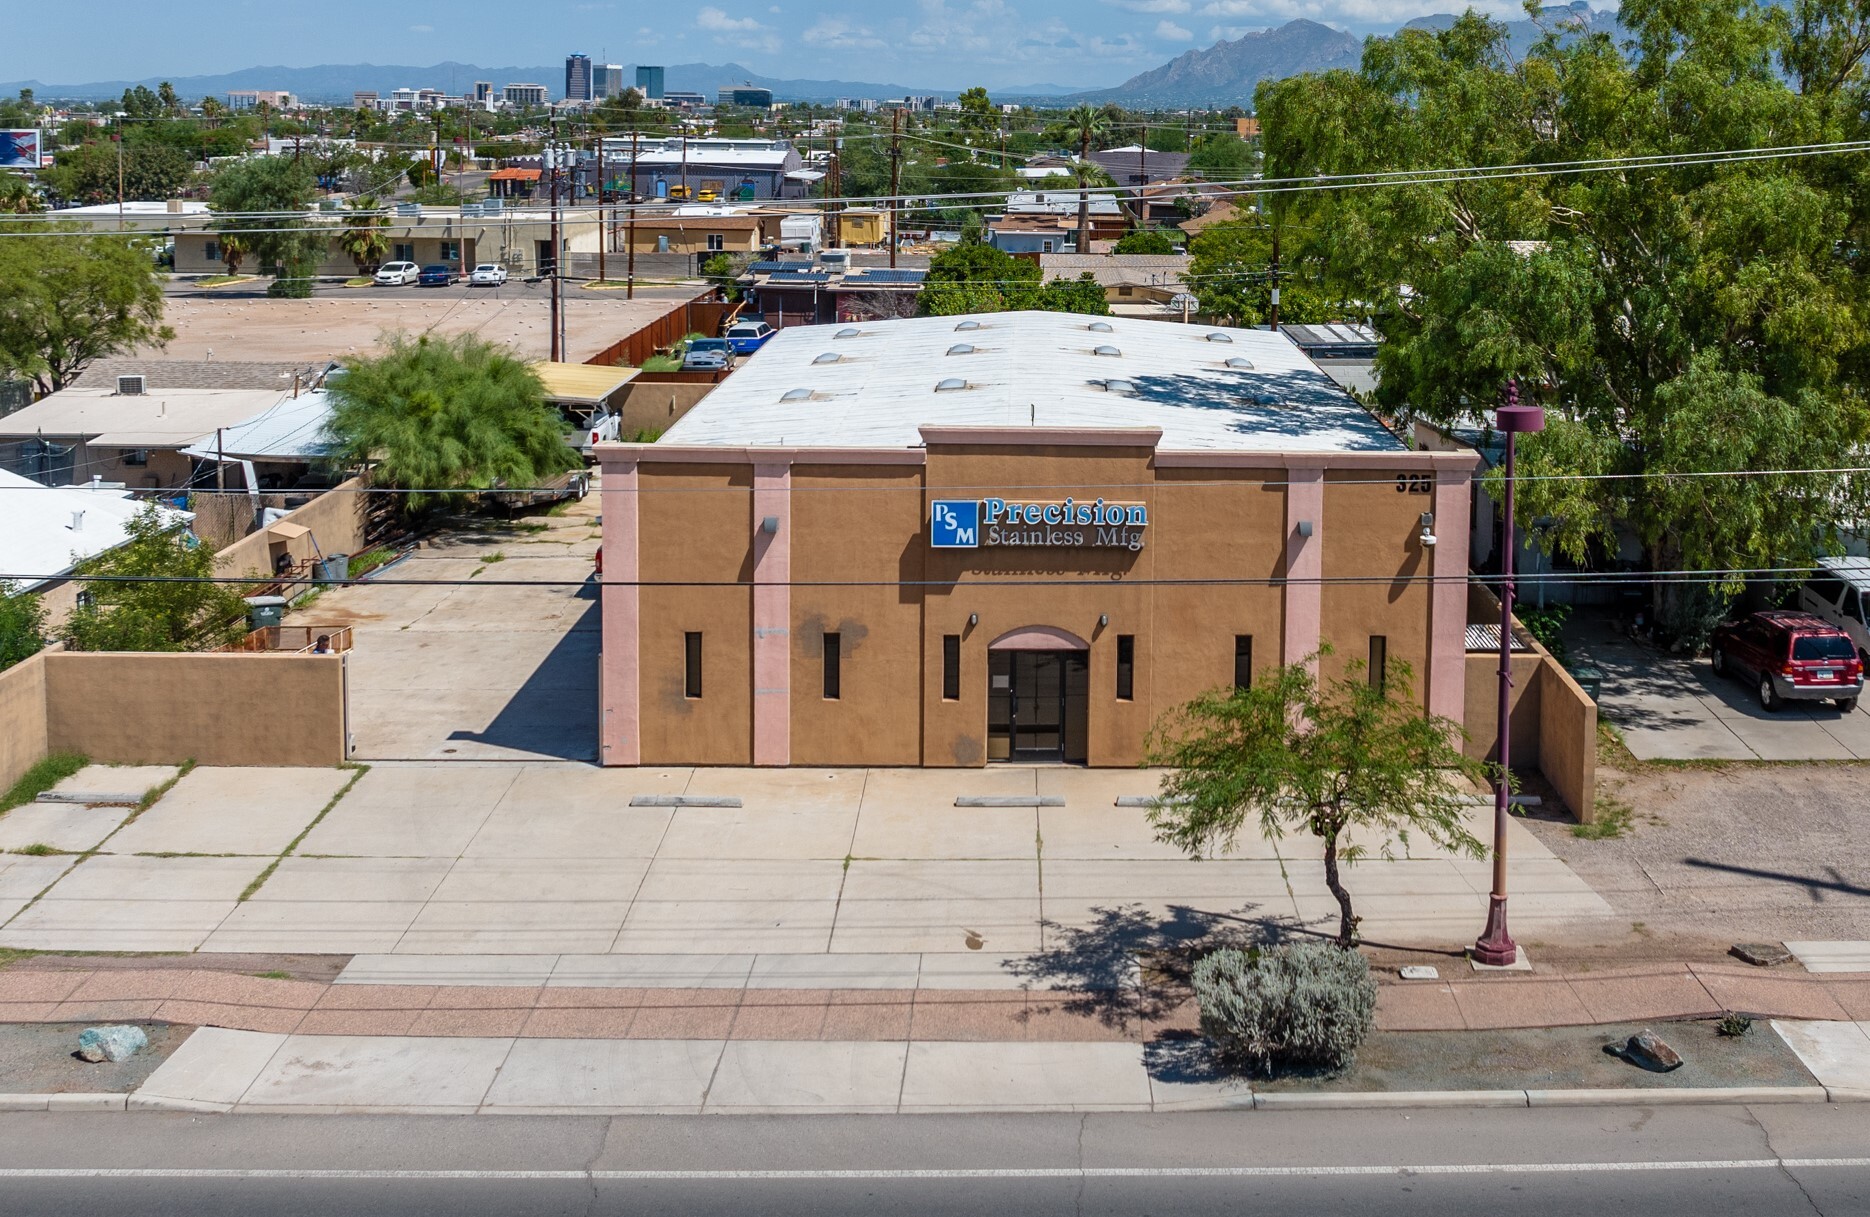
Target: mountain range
{"points": [[1221, 75]]}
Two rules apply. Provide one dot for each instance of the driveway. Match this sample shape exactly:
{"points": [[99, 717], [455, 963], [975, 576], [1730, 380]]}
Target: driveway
{"points": [[1671, 708], [481, 646]]}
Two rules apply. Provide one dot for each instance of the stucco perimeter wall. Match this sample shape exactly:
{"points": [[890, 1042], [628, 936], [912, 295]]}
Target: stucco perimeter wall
{"points": [[216, 708], [22, 718], [652, 405], [1554, 724], [336, 521]]}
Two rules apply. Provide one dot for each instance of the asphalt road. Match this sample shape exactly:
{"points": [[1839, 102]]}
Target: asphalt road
{"points": [[1658, 1162]]}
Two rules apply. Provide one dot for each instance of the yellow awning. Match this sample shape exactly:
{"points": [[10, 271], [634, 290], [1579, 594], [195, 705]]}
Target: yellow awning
{"points": [[586, 383]]}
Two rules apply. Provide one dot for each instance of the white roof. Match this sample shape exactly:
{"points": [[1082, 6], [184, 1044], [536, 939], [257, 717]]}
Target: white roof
{"points": [[39, 542], [161, 418], [1854, 571], [1031, 369], [136, 207], [291, 429]]}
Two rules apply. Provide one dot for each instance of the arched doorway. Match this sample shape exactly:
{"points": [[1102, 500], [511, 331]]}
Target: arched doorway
{"points": [[1038, 696]]}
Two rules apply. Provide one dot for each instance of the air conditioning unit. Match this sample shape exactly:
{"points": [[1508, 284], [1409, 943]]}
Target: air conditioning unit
{"points": [[130, 386]]}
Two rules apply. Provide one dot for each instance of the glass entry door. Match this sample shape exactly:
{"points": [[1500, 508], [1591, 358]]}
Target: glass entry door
{"points": [[1036, 707]]}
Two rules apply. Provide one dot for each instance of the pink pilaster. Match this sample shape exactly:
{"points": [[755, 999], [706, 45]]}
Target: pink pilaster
{"points": [[1305, 511], [620, 734], [1447, 664], [772, 614]]}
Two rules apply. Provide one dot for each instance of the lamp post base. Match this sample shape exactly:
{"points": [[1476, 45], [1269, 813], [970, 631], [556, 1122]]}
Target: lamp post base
{"points": [[1496, 947]]}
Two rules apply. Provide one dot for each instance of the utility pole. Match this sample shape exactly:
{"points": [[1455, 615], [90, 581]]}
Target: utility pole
{"points": [[685, 162], [550, 160], [603, 226], [896, 165], [629, 292], [118, 140], [1142, 193], [1273, 273], [837, 195]]}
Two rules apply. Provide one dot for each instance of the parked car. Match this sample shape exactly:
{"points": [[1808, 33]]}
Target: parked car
{"points": [[1841, 595], [1790, 657], [437, 275], [396, 274], [708, 355], [747, 337], [600, 427], [487, 274]]}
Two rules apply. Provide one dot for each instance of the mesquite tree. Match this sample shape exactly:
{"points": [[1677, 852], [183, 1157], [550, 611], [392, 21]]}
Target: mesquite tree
{"points": [[1292, 754]]}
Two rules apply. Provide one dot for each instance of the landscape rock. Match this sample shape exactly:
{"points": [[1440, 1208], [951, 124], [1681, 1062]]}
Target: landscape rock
{"points": [[1760, 954], [117, 1043], [1420, 971], [1646, 1050]]}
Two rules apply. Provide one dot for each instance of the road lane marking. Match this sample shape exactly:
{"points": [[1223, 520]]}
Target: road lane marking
{"points": [[935, 1173]]}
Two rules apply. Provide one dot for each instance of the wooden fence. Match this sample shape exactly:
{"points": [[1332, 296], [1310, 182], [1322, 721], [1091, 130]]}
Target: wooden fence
{"points": [[693, 317]]}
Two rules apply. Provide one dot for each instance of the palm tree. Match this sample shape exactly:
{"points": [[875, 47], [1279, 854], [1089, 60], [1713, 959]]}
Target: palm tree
{"points": [[363, 239], [17, 196], [234, 249], [1087, 121]]}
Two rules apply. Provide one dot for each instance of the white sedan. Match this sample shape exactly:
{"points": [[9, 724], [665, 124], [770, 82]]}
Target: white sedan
{"points": [[487, 274], [397, 274]]}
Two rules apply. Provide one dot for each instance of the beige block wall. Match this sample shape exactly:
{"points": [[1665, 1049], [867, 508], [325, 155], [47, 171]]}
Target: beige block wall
{"points": [[1568, 739], [22, 718], [216, 708], [655, 406], [335, 518]]}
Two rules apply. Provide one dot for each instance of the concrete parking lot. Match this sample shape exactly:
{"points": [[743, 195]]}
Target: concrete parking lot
{"points": [[873, 867], [1671, 707]]}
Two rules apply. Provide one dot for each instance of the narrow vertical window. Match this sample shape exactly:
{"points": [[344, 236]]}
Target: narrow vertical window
{"points": [[1243, 661], [834, 663], [691, 655], [1126, 667], [1379, 660], [951, 667]]}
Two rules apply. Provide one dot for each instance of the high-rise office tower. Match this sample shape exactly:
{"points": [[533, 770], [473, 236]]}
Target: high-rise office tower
{"points": [[649, 82], [577, 78]]}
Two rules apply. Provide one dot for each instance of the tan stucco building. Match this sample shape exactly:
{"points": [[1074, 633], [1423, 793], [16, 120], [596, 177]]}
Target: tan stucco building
{"points": [[518, 239], [950, 541]]}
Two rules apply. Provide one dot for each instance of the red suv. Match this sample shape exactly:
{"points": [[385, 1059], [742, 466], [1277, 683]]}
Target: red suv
{"points": [[1792, 656]]}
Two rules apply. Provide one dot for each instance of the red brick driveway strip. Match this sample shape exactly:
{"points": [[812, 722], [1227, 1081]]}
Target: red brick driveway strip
{"points": [[215, 998]]}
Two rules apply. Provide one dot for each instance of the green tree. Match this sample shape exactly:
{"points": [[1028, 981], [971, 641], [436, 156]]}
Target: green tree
{"points": [[724, 271], [1676, 320], [271, 195], [1146, 241], [978, 113], [22, 625], [1231, 266], [363, 239], [235, 249], [453, 415], [1223, 155], [17, 196], [151, 170], [166, 98], [67, 298], [977, 278], [1295, 755], [168, 602]]}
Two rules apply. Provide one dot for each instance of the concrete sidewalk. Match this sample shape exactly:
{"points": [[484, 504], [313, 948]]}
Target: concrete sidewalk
{"points": [[612, 997]]}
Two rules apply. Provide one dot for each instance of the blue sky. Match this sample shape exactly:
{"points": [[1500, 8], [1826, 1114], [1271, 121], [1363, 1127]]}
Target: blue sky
{"points": [[929, 43]]}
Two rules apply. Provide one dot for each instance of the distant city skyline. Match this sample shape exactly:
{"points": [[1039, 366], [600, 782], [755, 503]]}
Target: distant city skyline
{"points": [[929, 43]]}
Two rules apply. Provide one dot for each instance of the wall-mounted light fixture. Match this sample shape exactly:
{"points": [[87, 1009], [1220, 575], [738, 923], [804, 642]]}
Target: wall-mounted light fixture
{"points": [[973, 619], [1428, 528], [1103, 619], [770, 525], [1305, 528]]}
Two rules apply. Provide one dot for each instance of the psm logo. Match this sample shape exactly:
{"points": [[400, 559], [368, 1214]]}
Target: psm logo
{"points": [[954, 524]]}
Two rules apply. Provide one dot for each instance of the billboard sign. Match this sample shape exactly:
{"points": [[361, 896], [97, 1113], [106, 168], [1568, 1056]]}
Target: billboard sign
{"points": [[19, 149], [972, 523]]}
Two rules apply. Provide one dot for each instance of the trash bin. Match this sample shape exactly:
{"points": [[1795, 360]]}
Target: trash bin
{"points": [[264, 611], [1589, 678], [335, 568]]}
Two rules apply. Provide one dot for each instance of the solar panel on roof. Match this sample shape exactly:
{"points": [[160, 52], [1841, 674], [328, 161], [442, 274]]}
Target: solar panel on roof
{"points": [[767, 268], [795, 276], [870, 275]]}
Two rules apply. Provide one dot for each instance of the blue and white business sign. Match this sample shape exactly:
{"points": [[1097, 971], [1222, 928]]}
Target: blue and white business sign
{"points": [[954, 523], [973, 523]]}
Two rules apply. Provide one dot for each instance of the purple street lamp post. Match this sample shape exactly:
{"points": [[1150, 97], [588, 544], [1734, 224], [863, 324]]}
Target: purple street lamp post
{"points": [[1496, 946]]}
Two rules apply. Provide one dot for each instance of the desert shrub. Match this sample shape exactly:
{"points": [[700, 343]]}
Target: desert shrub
{"points": [[1305, 1004]]}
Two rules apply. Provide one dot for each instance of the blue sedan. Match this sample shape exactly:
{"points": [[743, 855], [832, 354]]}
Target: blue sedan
{"points": [[436, 276]]}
